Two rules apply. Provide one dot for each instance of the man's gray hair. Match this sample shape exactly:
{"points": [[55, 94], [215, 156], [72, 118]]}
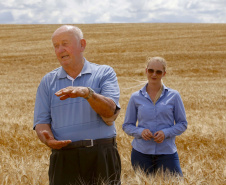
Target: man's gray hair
{"points": [[73, 29], [77, 31]]}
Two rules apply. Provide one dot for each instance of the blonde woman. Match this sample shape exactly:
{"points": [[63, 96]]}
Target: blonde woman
{"points": [[161, 117]]}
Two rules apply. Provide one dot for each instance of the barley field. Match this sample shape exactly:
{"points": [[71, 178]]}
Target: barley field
{"points": [[196, 56]]}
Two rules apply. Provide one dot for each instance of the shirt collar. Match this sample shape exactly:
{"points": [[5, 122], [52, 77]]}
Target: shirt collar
{"points": [[143, 89], [86, 69]]}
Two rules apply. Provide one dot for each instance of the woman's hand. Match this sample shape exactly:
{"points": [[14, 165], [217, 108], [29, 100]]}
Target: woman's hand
{"points": [[159, 136], [146, 134]]}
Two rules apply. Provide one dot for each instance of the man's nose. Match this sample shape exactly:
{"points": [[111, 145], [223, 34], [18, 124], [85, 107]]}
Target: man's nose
{"points": [[61, 49]]}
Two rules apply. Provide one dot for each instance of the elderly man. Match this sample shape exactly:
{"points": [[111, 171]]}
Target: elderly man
{"points": [[76, 105]]}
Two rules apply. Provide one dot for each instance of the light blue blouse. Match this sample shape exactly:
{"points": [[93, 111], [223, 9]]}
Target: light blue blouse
{"points": [[168, 115]]}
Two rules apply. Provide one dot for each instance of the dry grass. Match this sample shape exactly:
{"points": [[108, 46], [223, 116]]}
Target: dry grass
{"points": [[196, 55]]}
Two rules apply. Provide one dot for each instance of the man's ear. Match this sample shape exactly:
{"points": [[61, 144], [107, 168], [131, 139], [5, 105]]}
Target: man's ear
{"points": [[83, 44], [164, 73]]}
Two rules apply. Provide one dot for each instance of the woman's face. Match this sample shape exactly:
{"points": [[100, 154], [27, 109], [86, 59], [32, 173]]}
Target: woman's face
{"points": [[155, 71]]}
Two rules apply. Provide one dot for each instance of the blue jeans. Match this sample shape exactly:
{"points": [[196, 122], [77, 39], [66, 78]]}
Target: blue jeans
{"points": [[151, 163]]}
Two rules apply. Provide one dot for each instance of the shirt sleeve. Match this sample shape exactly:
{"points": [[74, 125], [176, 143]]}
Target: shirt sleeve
{"points": [[110, 88], [110, 121], [129, 125], [42, 113], [180, 119], [109, 85]]}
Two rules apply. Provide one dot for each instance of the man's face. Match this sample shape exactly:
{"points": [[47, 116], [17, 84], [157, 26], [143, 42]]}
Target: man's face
{"points": [[67, 47]]}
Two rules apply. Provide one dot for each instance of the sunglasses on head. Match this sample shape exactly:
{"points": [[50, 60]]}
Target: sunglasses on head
{"points": [[158, 72]]}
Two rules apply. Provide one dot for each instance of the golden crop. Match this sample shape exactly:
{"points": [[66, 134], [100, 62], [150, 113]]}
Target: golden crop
{"points": [[196, 55]]}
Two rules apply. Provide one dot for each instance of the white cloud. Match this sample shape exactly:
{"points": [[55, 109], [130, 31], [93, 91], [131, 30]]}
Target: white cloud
{"points": [[111, 11]]}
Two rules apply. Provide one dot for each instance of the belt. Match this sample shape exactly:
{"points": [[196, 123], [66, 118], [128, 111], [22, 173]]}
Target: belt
{"points": [[89, 143]]}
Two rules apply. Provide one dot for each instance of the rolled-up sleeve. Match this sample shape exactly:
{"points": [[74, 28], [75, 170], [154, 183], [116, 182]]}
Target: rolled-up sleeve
{"points": [[109, 85], [110, 89]]}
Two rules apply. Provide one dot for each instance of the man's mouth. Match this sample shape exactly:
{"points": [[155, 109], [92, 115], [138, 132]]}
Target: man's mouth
{"points": [[65, 56]]}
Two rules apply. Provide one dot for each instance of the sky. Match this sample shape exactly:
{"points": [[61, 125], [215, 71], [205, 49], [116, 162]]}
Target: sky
{"points": [[111, 11]]}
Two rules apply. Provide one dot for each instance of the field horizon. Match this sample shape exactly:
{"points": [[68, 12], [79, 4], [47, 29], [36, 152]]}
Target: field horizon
{"points": [[196, 67]]}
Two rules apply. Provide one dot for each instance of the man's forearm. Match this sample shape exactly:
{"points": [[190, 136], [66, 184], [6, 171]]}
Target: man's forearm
{"points": [[39, 130], [102, 105], [45, 134]]}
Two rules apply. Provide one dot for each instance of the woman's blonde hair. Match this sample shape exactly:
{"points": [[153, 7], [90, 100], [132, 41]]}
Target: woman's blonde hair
{"points": [[158, 59]]}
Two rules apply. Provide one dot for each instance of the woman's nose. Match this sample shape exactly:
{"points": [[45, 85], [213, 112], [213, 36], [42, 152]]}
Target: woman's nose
{"points": [[154, 74]]}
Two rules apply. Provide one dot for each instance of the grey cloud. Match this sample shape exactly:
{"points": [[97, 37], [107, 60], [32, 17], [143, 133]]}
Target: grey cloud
{"points": [[6, 17], [118, 11]]}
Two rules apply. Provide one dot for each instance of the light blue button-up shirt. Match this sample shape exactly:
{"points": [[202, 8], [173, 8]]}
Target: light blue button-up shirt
{"points": [[73, 118], [168, 115]]}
